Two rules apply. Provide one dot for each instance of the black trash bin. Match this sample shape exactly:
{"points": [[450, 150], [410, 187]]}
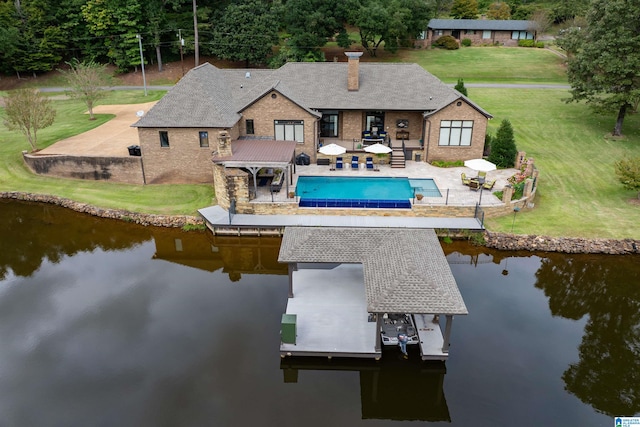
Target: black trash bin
{"points": [[134, 150], [303, 159]]}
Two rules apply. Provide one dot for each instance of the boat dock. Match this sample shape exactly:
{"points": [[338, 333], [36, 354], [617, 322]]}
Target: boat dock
{"points": [[343, 280]]}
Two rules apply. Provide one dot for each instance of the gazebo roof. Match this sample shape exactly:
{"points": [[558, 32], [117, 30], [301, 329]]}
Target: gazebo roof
{"points": [[405, 270], [259, 153]]}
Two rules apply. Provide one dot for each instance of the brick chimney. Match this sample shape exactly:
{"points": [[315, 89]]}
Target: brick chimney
{"points": [[353, 80]]}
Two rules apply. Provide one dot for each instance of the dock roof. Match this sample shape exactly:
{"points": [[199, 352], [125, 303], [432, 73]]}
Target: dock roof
{"points": [[405, 270]]}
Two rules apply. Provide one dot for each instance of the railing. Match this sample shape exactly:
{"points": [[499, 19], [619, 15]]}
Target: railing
{"points": [[436, 197]]}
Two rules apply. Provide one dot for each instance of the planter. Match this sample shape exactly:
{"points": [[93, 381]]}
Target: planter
{"points": [[419, 196], [292, 194]]}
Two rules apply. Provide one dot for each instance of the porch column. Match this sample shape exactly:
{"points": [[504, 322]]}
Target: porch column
{"points": [[254, 171], [447, 334], [378, 329], [292, 267]]}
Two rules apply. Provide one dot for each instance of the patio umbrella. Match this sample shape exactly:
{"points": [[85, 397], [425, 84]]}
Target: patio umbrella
{"points": [[332, 150], [481, 165], [377, 148]]}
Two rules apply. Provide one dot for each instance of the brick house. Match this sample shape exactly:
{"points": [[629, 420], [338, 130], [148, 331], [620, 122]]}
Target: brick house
{"points": [[480, 31], [211, 110]]}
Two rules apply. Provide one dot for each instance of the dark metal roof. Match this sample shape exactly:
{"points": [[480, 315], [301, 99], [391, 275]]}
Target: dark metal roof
{"points": [[405, 270], [248, 152], [479, 24]]}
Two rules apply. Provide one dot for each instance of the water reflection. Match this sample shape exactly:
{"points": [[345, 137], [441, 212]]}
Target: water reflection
{"points": [[92, 310], [604, 288], [390, 389]]}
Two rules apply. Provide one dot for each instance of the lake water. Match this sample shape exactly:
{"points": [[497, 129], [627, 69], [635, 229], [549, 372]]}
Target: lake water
{"points": [[104, 323]]}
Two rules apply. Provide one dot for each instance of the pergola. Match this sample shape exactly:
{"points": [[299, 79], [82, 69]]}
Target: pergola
{"points": [[255, 154]]}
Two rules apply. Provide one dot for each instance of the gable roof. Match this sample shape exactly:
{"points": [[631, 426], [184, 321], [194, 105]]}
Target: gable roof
{"points": [[479, 24], [211, 97], [405, 270]]}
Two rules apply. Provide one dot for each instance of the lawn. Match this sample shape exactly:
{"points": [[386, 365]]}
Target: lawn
{"points": [[489, 64], [71, 120], [578, 194]]}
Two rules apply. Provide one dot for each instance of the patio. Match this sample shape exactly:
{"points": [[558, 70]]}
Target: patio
{"points": [[447, 179]]}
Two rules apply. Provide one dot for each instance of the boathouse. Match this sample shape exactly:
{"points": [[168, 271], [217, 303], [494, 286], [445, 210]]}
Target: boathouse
{"points": [[342, 282]]}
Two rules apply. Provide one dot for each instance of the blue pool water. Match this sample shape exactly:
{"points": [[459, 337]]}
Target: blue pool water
{"points": [[364, 188]]}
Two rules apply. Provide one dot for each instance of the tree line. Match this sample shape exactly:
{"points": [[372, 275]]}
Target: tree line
{"points": [[38, 35]]}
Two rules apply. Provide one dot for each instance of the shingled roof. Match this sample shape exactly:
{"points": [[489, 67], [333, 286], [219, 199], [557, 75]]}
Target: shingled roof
{"points": [[211, 97], [479, 24], [405, 270]]}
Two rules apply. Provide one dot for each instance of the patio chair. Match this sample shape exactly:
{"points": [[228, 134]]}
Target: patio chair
{"points": [[354, 162], [465, 180], [474, 184], [339, 164], [488, 185], [482, 176], [369, 162]]}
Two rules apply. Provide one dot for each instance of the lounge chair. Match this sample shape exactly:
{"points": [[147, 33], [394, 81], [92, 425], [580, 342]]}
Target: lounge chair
{"points": [[465, 180], [354, 162], [488, 185], [339, 163], [369, 162], [474, 184]]}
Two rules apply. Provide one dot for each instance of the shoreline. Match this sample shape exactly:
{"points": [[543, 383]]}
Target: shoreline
{"points": [[494, 240]]}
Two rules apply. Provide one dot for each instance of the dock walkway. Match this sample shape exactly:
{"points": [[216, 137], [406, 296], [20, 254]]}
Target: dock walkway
{"points": [[218, 218]]}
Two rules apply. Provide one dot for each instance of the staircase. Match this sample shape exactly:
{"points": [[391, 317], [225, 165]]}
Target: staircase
{"points": [[397, 158]]}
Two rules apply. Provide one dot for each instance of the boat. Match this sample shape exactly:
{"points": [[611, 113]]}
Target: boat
{"points": [[394, 324]]}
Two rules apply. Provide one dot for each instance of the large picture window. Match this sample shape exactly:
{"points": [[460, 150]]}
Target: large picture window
{"points": [[521, 35], [455, 132], [329, 124], [374, 119], [289, 130]]}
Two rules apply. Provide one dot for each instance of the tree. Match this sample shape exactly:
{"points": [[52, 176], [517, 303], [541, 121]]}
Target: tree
{"points": [[28, 111], [247, 32], [503, 146], [460, 87], [499, 10], [628, 173], [540, 22], [86, 80], [393, 23], [605, 70], [464, 9]]}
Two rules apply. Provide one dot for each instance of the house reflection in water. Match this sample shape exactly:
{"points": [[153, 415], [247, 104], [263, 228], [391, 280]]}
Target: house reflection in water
{"points": [[233, 254], [390, 389]]}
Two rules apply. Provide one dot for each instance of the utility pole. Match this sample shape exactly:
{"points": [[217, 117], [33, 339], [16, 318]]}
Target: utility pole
{"points": [[144, 79], [181, 54], [195, 34]]}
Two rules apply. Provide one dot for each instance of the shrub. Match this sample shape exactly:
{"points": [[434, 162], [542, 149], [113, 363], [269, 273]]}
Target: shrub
{"points": [[525, 43], [447, 164], [446, 42], [540, 45], [466, 42], [503, 146], [460, 87]]}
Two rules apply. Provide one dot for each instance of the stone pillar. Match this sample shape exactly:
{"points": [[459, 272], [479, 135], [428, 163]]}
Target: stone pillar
{"points": [[224, 144], [529, 170], [507, 193], [522, 155], [528, 187]]}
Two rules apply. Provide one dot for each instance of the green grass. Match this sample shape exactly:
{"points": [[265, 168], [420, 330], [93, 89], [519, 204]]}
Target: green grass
{"points": [[578, 193], [489, 64], [71, 120]]}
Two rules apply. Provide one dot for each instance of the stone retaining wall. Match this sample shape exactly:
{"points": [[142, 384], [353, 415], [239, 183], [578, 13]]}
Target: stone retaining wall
{"points": [[123, 215], [570, 245], [501, 241]]}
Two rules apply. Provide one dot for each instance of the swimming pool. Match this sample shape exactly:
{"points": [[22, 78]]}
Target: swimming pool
{"points": [[333, 191]]}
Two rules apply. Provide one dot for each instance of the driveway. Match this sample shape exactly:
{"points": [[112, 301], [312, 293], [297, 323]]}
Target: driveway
{"points": [[108, 140]]}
